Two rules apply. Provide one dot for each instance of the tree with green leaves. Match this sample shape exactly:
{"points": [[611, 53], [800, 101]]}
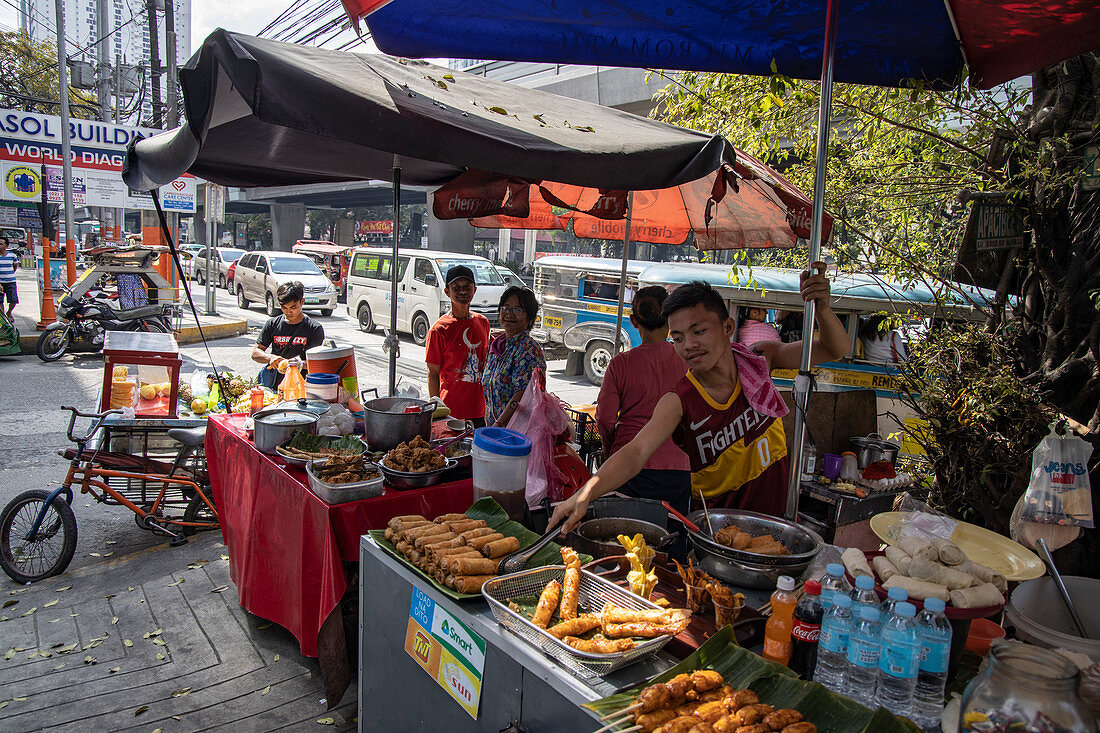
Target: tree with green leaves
{"points": [[904, 166]]}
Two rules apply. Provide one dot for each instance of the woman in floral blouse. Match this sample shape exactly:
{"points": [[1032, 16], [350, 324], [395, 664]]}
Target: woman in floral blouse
{"points": [[513, 356]]}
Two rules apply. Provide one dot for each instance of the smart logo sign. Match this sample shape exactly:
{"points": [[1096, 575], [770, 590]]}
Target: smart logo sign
{"points": [[30, 141], [446, 648]]}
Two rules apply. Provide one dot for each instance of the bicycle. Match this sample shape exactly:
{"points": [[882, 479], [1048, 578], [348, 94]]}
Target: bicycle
{"points": [[38, 528]]}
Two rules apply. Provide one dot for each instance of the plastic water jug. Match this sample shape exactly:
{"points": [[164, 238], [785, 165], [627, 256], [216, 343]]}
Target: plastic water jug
{"points": [[499, 461]]}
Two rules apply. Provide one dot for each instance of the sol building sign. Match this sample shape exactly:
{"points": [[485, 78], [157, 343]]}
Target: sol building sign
{"points": [[452, 654]]}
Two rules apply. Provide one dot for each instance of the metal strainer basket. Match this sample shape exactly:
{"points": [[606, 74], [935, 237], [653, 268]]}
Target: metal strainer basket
{"points": [[594, 593]]}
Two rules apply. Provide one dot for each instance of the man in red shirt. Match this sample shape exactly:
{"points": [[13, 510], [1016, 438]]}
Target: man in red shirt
{"points": [[456, 348]]}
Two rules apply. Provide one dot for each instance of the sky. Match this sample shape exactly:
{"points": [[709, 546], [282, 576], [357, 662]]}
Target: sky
{"points": [[243, 16]]}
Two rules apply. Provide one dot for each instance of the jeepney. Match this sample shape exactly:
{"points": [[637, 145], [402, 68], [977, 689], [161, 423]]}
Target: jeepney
{"points": [[579, 297], [853, 297]]}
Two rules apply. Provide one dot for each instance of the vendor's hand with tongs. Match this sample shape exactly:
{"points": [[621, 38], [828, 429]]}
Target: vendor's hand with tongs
{"points": [[570, 512]]}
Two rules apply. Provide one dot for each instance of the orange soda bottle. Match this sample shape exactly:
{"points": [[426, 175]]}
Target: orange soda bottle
{"points": [[777, 632]]}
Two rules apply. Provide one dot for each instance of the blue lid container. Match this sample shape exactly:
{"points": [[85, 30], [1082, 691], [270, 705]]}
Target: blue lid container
{"points": [[502, 441], [322, 379]]}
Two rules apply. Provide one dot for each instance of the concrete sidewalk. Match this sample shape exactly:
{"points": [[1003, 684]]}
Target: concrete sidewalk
{"points": [[154, 640], [28, 313]]}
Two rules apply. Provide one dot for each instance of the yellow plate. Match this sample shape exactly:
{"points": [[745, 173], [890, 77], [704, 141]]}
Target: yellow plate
{"points": [[1010, 559]]}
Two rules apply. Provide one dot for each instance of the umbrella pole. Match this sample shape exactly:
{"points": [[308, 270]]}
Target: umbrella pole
{"points": [[622, 276], [802, 381], [392, 345]]}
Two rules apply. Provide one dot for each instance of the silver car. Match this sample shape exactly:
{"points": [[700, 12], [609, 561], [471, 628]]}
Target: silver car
{"points": [[259, 275], [223, 258]]}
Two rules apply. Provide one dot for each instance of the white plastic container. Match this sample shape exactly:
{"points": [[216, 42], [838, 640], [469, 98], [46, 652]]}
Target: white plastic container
{"points": [[322, 386], [499, 462]]}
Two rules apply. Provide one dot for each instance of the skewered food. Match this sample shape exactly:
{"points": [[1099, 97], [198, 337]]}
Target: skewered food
{"points": [[548, 602], [571, 584], [416, 456], [599, 645], [780, 719]]}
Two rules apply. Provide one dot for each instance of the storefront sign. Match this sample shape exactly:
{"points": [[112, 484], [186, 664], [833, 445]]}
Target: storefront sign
{"points": [[29, 142], [452, 654], [363, 228], [999, 227]]}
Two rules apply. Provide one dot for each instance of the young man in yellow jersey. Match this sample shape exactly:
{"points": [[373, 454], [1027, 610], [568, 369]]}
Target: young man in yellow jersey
{"points": [[725, 413]]}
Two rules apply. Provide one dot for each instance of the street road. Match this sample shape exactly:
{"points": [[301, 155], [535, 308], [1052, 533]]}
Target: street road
{"points": [[32, 425]]}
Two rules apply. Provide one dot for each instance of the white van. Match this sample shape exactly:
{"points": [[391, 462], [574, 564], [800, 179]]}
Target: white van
{"points": [[420, 296]]}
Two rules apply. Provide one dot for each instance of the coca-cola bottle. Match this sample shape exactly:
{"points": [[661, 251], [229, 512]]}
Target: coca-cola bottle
{"points": [[805, 630]]}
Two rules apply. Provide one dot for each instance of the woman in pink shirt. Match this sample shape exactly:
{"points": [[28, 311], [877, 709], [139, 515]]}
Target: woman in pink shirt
{"points": [[754, 327], [635, 380]]}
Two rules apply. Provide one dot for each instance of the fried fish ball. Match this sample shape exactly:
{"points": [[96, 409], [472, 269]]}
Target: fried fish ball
{"points": [[741, 698], [680, 686], [706, 679], [682, 724], [780, 719], [711, 711], [800, 727], [654, 720]]}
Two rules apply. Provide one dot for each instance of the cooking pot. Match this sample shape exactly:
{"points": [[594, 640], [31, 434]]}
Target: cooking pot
{"points": [[275, 426], [873, 449], [386, 424], [599, 537], [750, 569]]}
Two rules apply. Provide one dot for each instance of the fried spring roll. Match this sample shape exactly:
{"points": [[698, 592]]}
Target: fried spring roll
{"points": [[477, 532], [484, 539], [548, 603], [431, 539], [470, 583], [575, 626], [465, 525], [500, 548], [401, 546], [450, 517], [471, 566], [599, 646], [424, 529], [571, 584], [388, 534], [644, 629], [407, 519], [617, 615], [460, 551]]}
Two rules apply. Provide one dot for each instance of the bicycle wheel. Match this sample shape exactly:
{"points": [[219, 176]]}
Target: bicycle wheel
{"points": [[198, 511], [52, 548]]}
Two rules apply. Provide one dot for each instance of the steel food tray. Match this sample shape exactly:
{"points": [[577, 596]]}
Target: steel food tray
{"points": [[593, 593]]}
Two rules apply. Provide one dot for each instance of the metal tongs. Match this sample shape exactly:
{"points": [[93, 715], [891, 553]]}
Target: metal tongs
{"points": [[442, 447], [517, 561]]}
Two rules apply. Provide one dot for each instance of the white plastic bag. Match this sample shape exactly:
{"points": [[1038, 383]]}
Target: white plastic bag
{"points": [[542, 418], [1059, 491]]}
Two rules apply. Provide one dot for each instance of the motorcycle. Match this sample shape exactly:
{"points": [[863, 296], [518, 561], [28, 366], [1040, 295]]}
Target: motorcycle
{"points": [[90, 317]]}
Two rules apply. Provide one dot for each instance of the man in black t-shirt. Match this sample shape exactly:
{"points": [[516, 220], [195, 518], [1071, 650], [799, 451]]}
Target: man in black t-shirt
{"points": [[287, 336]]}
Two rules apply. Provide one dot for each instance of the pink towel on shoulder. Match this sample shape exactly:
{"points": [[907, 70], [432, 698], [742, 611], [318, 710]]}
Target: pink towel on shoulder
{"points": [[756, 382]]}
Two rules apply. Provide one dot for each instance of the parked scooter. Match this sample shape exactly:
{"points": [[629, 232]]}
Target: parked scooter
{"points": [[89, 318]]}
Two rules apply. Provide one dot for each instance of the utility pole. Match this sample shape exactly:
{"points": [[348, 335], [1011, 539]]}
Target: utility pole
{"points": [[154, 64], [66, 143], [170, 53], [103, 82]]}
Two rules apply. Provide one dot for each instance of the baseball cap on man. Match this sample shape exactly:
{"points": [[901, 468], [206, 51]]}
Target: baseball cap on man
{"points": [[457, 272]]}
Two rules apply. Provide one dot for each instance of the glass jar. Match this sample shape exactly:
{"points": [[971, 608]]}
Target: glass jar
{"points": [[1025, 689]]}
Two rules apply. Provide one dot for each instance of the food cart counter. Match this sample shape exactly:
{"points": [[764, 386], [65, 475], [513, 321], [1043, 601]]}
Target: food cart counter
{"points": [[402, 620]]}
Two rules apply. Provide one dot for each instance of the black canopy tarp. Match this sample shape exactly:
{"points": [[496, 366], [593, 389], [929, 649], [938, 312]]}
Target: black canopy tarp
{"points": [[266, 113]]}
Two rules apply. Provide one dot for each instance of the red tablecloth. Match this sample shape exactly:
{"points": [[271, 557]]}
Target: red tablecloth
{"points": [[287, 547]]}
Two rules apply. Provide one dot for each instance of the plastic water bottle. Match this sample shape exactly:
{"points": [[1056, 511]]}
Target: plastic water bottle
{"points": [[864, 649], [934, 631], [893, 597], [899, 661], [834, 581], [864, 594], [832, 644]]}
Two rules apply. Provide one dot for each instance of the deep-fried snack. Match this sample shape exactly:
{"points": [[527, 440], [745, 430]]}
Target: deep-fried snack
{"points": [[469, 583], [461, 550], [751, 714], [705, 680], [423, 529], [654, 697], [599, 646], [575, 626], [453, 516], [801, 727], [460, 526], [680, 685], [432, 539], [482, 540], [741, 698], [775, 548], [470, 565], [571, 585], [780, 719], [755, 728], [711, 711], [655, 719], [416, 456], [682, 724], [644, 629], [476, 532], [618, 615], [733, 537], [501, 547], [548, 603]]}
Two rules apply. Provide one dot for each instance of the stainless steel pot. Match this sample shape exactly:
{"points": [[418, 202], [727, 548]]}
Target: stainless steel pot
{"points": [[275, 426], [386, 424], [406, 481], [750, 569], [873, 449], [599, 537]]}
